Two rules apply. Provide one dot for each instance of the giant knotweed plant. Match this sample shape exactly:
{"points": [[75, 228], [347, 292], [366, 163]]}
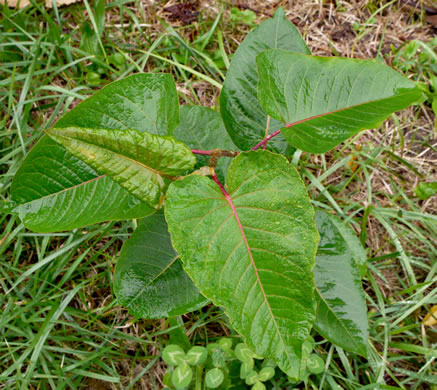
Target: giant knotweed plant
{"points": [[225, 217]]}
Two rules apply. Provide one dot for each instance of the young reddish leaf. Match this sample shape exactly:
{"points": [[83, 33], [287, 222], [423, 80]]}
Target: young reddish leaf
{"points": [[57, 191], [142, 163], [251, 249]]}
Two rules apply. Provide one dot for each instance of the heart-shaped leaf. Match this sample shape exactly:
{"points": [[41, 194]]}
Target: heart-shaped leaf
{"points": [[143, 163], [323, 101], [149, 278], [251, 250], [202, 128], [57, 191], [341, 311], [245, 120]]}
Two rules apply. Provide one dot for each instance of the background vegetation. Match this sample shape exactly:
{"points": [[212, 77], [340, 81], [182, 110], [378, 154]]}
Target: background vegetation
{"points": [[60, 325]]}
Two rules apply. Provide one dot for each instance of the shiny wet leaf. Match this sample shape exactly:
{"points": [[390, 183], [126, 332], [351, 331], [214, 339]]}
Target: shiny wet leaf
{"points": [[258, 269], [142, 163], [57, 191], [149, 278], [341, 312], [245, 120], [328, 100]]}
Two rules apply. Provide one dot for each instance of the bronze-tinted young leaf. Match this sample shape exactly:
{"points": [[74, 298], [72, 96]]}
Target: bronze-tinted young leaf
{"points": [[324, 101], [245, 120], [142, 163], [251, 250], [202, 128], [149, 278], [341, 312], [57, 191]]}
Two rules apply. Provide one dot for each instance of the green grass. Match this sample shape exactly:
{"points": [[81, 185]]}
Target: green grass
{"points": [[60, 326]]}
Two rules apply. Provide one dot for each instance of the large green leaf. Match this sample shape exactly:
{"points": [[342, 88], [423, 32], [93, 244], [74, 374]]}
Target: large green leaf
{"points": [[324, 101], [143, 163], [145, 102], [251, 250], [341, 311], [202, 128], [57, 191], [245, 120], [149, 278]]}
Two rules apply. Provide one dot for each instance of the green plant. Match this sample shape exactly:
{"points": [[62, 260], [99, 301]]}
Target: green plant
{"points": [[199, 365], [420, 59], [219, 365], [246, 16], [250, 245], [225, 365]]}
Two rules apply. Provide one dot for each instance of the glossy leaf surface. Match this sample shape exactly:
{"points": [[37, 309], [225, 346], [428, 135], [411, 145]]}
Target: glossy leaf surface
{"points": [[327, 100], [341, 312], [202, 128], [144, 102], [245, 120], [57, 191], [142, 163], [251, 251], [149, 278]]}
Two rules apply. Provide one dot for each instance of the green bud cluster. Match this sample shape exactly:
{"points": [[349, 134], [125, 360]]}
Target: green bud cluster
{"points": [[249, 373], [209, 367], [213, 358]]}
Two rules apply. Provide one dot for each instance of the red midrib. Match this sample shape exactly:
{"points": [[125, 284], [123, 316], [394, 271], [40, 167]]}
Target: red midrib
{"points": [[288, 125], [249, 251]]}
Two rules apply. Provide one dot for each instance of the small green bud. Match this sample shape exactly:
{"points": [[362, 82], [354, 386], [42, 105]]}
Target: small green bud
{"points": [[196, 355], [93, 78], [182, 376], [212, 347], [218, 358], [315, 364], [117, 59], [266, 373], [173, 355], [246, 367], [243, 352], [252, 377], [225, 343], [259, 386], [214, 378]]}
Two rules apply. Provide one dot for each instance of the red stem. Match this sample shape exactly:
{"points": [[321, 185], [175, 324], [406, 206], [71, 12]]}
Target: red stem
{"points": [[204, 152], [216, 152], [234, 211], [215, 178], [246, 243], [265, 140]]}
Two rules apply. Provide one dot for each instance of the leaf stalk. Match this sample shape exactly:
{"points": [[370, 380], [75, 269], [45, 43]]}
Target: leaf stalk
{"points": [[216, 152]]}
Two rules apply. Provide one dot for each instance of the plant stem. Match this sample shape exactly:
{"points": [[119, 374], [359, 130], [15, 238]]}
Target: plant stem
{"points": [[199, 371], [265, 140], [217, 152]]}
